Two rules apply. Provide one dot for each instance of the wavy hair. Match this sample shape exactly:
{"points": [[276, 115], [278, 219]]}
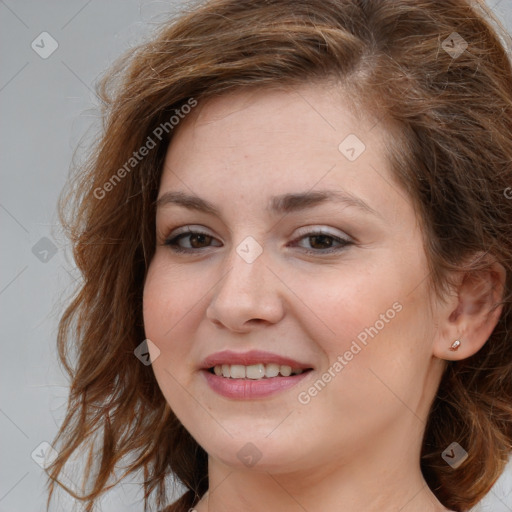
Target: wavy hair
{"points": [[449, 108]]}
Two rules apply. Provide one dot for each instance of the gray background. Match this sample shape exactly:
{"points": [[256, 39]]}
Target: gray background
{"points": [[47, 109]]}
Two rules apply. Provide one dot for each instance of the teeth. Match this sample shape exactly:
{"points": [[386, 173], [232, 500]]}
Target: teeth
{"points": [[272, 370], [285, 371], [237, 371], [255, 371]]}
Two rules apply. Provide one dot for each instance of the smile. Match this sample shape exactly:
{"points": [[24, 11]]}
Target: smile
{"points": [[255, 371], [253, 374]]}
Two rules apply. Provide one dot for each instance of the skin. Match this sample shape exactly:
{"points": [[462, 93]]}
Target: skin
{"points": [[356, 444]]}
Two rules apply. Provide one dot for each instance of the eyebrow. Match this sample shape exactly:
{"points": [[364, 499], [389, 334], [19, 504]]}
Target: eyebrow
{"points": [[283, 204]]}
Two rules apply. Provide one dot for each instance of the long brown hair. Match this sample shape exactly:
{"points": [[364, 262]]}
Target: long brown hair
{"points": [[403, 61]]}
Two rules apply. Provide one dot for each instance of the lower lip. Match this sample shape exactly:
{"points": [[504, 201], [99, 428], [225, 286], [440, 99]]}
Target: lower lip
{"points": [[247, 389]]}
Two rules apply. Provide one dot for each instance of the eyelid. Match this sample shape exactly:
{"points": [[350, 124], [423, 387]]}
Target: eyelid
{"points": [[186, 229], [319, 229], [343, 241]]}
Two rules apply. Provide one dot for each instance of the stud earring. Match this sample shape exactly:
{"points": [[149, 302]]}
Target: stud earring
{"points": [[455, 345]]}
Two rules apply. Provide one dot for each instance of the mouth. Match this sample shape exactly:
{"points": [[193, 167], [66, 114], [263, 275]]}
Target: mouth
{"points": [[259, 371], [252, 375]]}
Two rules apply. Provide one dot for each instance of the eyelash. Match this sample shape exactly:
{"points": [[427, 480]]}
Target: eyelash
{"points": [[172, 242]]}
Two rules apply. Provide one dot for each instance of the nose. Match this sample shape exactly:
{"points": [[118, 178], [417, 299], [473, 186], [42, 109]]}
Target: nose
{"points": [[250, 294]]}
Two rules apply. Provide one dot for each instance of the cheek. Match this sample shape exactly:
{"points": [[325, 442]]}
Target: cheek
{"points": [[351, 304], [156, 308], [162, 312], [172, 311], [169, 296], [375, 318], [385, 353]]}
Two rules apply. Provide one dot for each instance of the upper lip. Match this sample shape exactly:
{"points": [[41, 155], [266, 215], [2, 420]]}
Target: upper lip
{"points": [[250, 358]]}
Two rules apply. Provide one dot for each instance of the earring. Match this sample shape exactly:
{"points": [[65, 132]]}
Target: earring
{"points": [[455, 345]]}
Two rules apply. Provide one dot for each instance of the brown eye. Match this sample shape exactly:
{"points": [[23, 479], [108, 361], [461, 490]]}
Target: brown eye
{"points": [[324, 243], [196, 240]]}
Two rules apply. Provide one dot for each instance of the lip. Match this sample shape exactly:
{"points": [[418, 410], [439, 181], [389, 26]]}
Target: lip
{"points": [[249, 358], [248, 389]]}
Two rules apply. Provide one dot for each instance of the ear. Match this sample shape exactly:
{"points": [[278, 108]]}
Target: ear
{"points": [[471, 313]]}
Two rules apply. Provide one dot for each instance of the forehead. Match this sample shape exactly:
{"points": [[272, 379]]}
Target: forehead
{"points": [[279, 109], [261, 143]]}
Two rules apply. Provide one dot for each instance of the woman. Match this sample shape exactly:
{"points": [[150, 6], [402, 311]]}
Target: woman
{"points": [[295, 237]]}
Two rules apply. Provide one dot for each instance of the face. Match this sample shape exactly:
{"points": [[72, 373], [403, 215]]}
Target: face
{"points": [[298, 249]]}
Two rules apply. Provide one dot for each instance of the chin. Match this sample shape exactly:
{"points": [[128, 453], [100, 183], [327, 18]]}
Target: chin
{"points": [[257, 452]]}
